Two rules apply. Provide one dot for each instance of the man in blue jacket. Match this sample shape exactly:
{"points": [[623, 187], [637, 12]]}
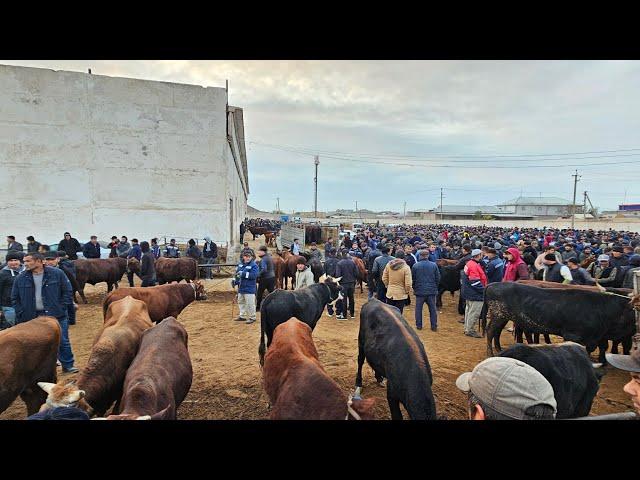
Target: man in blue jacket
{"points": [[495, 266], [135, 252], [426, 277], [91, 249], [434, 253], [45, 291], [245, 279]]}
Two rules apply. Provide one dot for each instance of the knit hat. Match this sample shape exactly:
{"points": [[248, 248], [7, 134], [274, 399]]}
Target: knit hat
{"points": [[475, 252], [497, 246], [603, 258], [12, 256]]}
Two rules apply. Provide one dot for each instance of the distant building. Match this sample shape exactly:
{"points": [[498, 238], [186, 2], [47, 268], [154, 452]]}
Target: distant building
{"points": [[539, 207], [457, 212]]}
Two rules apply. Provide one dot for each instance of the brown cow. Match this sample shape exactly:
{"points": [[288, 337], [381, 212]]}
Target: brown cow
{"points": [[290, 262], [97, 270], [113, 350], [175, 269], [28, 354], [160, 376], [162, 301], [278, 267], [362, 271], [270, 239], [297, 385]]}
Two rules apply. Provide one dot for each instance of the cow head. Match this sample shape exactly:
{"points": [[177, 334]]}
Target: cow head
{"points": [[161, 415], [198, 287], [64, 394], [635, 301], [133, 265], [335, 290]]}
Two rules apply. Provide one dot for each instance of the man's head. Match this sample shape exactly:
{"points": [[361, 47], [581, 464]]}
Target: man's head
{"points": [[476, 254], [262, 251], [502, 388], [246, 257], [550, 259], [301, 264], [603, 260], [124, 239], [573, 264], [295, 240], [94, 239], [245, 244], [617, 252], [192, 242], [51, 259], [30, 239], [13, 260], [466, 248], [491, 252], [384, 250], [314, 246], [154, 241], [144, 246], [432, 247], [33, 261], [134, 241], [423, 254], [631, 364], [568, 247], [11, 239], [172, 241], [67, 235]]}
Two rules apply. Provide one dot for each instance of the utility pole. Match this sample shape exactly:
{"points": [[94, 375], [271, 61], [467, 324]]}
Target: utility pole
{"points": [[573, 207], [441, 189], [315, 183]]}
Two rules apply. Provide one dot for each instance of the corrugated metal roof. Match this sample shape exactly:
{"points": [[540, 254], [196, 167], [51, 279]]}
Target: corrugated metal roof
{"points": [[536, 201], [469, 209]]}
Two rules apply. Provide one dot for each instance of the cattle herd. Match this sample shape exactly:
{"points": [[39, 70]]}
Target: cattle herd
{"points": [[139, 365]]}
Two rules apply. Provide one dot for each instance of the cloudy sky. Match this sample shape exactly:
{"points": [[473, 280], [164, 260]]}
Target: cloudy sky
{"points": [[390, 132]]}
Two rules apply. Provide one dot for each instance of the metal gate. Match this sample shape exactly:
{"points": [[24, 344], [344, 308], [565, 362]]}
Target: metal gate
{"points": [[289, 232]]}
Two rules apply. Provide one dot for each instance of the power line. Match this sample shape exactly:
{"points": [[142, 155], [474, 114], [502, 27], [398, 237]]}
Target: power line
{"points": [[440, 156]]}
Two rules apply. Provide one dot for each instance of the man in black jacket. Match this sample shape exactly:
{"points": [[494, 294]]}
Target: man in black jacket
{"points": [[7, 276], [266, 275], [70, 245], [91, 249], [369, 258], [347, 271], [32, 245], [147, 266]]}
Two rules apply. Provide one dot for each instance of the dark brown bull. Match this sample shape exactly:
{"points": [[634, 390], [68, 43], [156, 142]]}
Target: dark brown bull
{"points": [[175, 269], [297, 385], [290, 262], [28, 354], [257, 231], [97, 270], [162, 301], [159, 377], [362, 271], [278, 267], [113, 350]]}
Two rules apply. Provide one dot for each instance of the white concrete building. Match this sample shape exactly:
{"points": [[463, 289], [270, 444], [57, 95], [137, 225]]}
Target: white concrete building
{"points": [[92, 154]]}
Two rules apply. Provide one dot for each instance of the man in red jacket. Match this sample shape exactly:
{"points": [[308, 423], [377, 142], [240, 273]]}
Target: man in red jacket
{"points": [[473, 269]]}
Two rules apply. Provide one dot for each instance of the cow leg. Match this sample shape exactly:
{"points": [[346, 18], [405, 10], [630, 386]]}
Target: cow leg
{"points": [[81, 292], [33, 397], [461, 305], [547, 339], [627, 343], [394, 407], [361, 358], [439, 299], [602, 349], [614, 347]]}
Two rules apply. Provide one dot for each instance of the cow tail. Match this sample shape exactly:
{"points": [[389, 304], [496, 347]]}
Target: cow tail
{"points": [[263, 319], [105, 306]]}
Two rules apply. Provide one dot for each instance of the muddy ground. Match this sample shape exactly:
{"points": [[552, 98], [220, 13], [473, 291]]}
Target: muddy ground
{"points": [[227, 378]]}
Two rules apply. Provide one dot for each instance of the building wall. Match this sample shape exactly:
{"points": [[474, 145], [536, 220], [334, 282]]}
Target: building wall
{"points": [[111, 156]]}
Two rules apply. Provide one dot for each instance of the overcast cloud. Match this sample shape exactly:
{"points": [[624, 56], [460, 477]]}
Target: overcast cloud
{"points": [[421, 109]]}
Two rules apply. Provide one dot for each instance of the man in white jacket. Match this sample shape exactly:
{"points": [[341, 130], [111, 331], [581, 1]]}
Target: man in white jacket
{"points": [[304, 276]]}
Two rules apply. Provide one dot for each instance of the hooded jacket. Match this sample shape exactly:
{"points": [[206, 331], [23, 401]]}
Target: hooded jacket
{"points": [[7, 277], [210, 249], [397, 278], [304, 278], [515, 269]]}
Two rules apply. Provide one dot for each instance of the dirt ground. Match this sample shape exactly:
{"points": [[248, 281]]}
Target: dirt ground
{"points": [[227, 382]]}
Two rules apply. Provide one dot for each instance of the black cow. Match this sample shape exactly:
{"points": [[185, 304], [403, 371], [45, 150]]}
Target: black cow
{"points": [[316, 268], [394, 351], [568, 369], [449, 282], [588, 318], [306, 304]]}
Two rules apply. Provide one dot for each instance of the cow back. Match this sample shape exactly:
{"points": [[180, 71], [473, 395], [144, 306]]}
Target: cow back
{"points": [[96, 270], [161, 372], [113, 350], [28, 354], [294, 380], [176, 269], [162, 300], [568, 369]]}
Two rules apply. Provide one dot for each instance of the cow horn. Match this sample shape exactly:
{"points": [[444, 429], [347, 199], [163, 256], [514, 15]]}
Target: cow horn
{"points": [[46, 386]]}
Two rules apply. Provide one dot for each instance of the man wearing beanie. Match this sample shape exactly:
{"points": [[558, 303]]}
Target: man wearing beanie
{"points": [[147, 266], [618, 259], [634, 266], [7, 276], [70, 245]]}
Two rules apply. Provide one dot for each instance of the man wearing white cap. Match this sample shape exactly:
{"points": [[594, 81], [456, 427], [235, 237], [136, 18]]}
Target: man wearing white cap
{"points": [[602, 271], [501, 388]]}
